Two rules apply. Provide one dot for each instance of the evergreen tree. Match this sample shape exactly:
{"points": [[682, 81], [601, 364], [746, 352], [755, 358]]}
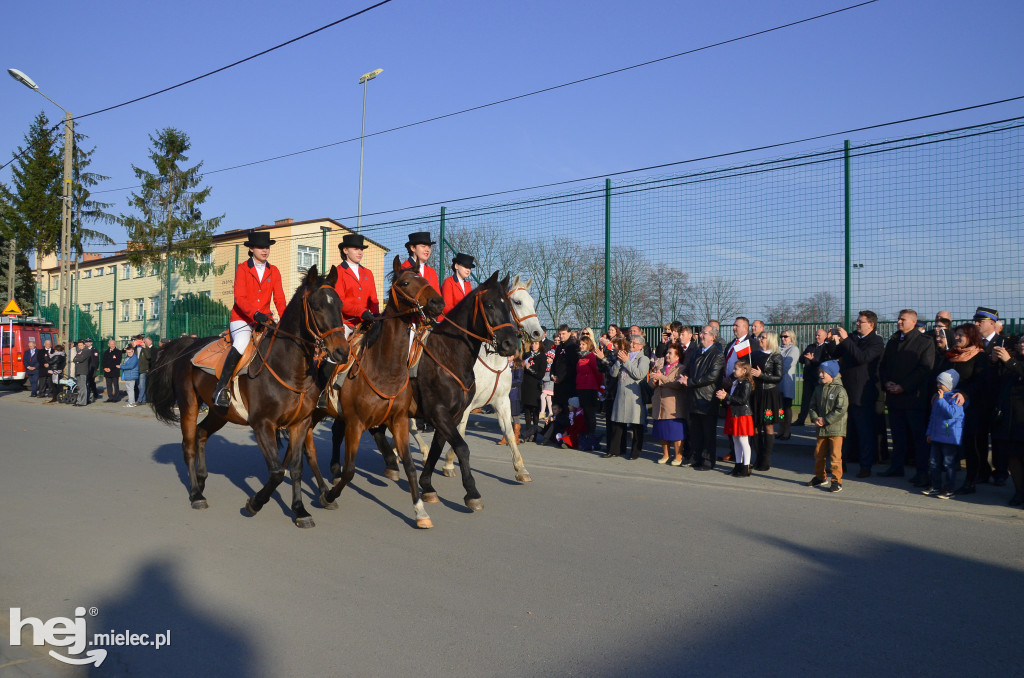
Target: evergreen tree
{"points": [[85, 209], [169, 226]]}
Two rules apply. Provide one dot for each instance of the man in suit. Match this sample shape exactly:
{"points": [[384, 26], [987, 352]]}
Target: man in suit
{"points": [[905, 373], [987, 322], [701, 375], [858, 355], [563, 370], [741, 333], [111, 362], [813, 356], [94, 366], [145, 353], [32, 367], [43, 362]]}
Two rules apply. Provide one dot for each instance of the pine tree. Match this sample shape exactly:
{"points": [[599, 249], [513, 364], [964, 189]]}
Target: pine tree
{"points": [[170, 228], [85, 209]]}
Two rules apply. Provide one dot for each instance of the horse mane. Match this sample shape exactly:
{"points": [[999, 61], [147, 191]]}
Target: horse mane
{"points": [[373, 333]]}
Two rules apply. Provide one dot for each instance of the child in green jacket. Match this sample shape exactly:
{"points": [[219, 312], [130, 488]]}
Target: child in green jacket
{"points": [[829, 406]]}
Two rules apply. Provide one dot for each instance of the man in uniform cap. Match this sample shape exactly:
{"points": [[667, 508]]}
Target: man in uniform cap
{"points": [[985, 319], [419, 252], [355, 286], [457, 285]]}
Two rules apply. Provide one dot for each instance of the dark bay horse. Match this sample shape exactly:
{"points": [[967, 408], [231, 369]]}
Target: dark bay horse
{"points": [[445, 384], [279, 390], [376, 390]]}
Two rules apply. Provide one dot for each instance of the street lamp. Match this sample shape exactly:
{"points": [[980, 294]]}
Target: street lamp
{"points": [[363, 79], [65, 231]]}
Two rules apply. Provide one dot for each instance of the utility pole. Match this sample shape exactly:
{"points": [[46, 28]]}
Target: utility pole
{"points": [[65, 233]]}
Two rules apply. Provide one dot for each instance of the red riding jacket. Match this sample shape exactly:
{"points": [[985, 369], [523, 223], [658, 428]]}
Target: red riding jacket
{"points": [[428, 273], [454, 292], [357, 295], [252, 295]]}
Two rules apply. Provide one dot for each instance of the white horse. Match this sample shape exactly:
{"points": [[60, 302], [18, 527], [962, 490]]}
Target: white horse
{"points": [[493, 376]]}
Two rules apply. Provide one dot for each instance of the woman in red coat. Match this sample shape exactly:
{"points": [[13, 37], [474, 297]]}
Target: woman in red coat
{"points": [[256, 282], [588, 379], [418, 248], [457, 286], [355, 286]]}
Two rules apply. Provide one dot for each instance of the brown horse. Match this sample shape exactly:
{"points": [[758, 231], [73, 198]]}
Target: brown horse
{"points": [[278, 390], [376, 390]]}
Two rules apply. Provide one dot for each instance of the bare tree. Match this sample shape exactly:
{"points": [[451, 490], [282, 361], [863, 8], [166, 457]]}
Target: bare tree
{"points": [[781, 313], [550, 263], [819, 307], [668, 291], [630, 276], [714, 298], [586, 290]]}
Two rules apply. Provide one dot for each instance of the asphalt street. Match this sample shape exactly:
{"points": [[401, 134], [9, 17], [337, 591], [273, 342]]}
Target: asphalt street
{"points": [[600, 567]]}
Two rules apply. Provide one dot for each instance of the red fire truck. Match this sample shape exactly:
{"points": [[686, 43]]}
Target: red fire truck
{"points": [[14, 335]]}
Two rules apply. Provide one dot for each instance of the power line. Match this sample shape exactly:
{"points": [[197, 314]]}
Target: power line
{"points": [[527, 94]]}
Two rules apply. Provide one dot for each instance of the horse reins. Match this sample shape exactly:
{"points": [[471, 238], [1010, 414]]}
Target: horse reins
{"points": [[512, 307]]}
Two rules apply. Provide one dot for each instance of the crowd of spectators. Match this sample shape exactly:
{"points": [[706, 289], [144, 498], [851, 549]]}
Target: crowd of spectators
{"points": [[944, 396]]}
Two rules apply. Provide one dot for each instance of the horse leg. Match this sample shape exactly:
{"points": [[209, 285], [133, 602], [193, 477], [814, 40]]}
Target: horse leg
{"points": [[337, 437], [503, 408], [424, 448], [353, 431], [266, 438], [386, 451], [297, 441], [402, 444], [472, 497], [210, 424], [311, 459], [449, 460], [426, 486], [189, 414]]}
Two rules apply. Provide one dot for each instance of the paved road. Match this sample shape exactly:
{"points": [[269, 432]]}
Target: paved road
{"points": [[597, 568]]}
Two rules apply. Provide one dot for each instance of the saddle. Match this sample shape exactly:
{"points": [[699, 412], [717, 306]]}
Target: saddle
{"points": [[210, 358]]}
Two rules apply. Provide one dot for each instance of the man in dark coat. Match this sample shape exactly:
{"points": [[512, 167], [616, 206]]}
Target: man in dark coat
{"points": [[43, 361], [145, 352], [905, 373], [987, 322], [110, 362], [94, 366], [812, 358], [32, 366], [702, 374], [858, 355], [563, 369]]}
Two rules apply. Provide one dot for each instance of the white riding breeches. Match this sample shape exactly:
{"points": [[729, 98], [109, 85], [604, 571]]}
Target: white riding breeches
{"points": [[240, 333]]}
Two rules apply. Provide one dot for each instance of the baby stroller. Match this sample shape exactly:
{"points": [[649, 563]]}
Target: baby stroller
{"points": [[68, 391]]}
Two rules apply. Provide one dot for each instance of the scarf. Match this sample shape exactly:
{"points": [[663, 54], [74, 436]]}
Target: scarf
{"points": [[669, 368], [964, 355]]}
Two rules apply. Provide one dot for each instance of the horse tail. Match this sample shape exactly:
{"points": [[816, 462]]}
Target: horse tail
{"points": [[160, 390]]}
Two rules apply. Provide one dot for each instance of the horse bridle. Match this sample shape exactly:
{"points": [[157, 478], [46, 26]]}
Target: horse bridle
{"points": [[491, 329], [512, 307], [319, 342], [414, 300]]}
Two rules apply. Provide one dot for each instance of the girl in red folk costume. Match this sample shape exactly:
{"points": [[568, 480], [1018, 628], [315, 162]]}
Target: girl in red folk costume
{"points": [[457, 286], [739, 416], [355, 286], [419, 252], [256, 282]]}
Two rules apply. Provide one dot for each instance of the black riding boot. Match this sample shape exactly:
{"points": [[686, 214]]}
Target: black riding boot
{"points": [[221, 394]]}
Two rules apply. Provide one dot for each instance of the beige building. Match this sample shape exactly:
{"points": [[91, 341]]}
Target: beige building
{"points": [[123, 301]]}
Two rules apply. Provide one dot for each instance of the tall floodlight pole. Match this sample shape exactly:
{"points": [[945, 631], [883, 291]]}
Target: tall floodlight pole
{"points": [[65, 231], [363, 79]]}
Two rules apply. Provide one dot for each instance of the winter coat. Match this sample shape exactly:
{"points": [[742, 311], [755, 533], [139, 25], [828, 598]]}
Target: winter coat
{"points": [[771, 369], [357, 295], [946, 424], [130, 368], [145, 354], [534, 365], [831, 403], [587, 376], [703, 373], [56, 368], [669, 400], [858, 358], [111, 359], [563, 369], [975, 383], [81, 361], [253, 295], [908, 363], [739, 397], [629, 407], [1008, 414], [790, 356]]}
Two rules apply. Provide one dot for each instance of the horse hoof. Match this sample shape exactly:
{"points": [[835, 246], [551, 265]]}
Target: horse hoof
{"points": [[430, 497], [329, 505], [249, 510], [391, 474], [424, 523], [475, 504], [449, 472], [524, 477], [200, 504], [304, 523]]}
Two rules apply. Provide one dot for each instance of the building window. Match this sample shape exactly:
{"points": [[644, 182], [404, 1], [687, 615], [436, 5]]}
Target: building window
{"points": [[99, 271], [87, 274], [308, 256], [154, 307], [124, 310], [111, 270], [206, 293], [110, 306], [126, 271], [140, 271], [140, 308], [53, 283], [206, 258], [87, 308], [153, 270]]}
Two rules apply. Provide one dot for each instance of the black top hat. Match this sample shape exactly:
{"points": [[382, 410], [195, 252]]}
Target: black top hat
{"points": [[464, 260], [352, 240], [419, 238], [258, 239], [983, 312]]}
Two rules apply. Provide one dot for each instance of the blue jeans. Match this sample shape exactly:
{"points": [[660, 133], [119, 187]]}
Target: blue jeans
{"points": [[142, 387], [945, 462], [909, 439]]}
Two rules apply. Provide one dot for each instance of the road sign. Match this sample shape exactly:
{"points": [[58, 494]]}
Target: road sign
{"points": [[12, 308]]}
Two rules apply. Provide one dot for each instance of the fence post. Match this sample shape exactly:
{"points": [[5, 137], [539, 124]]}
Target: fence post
{"points": [[167, 314], [186, 322], [440, 239], [113, 314], [607, 248], [99, 326], [323, 250], [848, 271]]}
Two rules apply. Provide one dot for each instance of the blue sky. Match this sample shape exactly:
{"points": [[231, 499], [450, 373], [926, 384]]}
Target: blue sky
{"points": [[886, 61]]}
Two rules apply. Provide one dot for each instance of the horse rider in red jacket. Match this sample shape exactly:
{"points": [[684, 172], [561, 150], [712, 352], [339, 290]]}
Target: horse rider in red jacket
{"points": [[457, 286], [256, 281], [355, 286], [419, 252]]}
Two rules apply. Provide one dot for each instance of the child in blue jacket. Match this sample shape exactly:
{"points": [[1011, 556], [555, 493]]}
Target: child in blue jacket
{"points": [[945, 432]]}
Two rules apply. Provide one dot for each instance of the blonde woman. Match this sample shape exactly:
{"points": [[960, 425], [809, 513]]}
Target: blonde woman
{"points": [[767, 400]]}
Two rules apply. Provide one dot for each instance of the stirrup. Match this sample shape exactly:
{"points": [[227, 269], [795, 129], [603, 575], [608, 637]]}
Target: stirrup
{"points": [[321, 403], [222, 398]]}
